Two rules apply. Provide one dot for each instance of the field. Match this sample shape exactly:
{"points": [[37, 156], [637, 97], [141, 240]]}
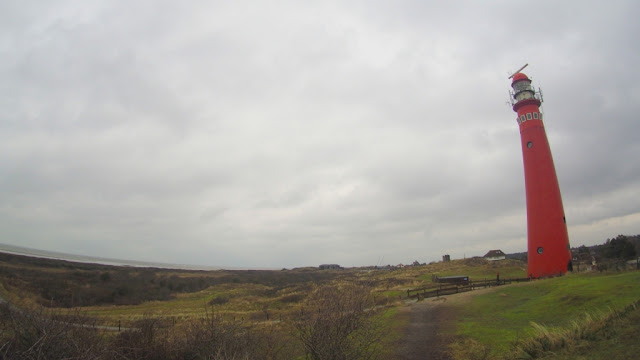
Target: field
{"points": [[125, 294], [501, 322]]}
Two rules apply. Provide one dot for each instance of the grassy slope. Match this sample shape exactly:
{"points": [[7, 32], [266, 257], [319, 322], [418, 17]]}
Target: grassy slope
{"points": [[617, 341], [242, 301], [500, 318], [478, 269]]}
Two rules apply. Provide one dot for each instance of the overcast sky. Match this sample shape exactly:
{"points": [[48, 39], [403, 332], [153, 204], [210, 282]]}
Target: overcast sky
{"points": [[281, 134]]}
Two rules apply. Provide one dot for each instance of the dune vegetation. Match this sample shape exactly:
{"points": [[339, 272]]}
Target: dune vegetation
{"points": [[177, 314]]}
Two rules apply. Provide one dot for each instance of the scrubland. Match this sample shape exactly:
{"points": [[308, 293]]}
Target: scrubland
{"points": [[301, 313]]}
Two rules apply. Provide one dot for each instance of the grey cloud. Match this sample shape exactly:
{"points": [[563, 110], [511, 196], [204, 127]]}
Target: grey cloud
{"points": [[293, 134]]}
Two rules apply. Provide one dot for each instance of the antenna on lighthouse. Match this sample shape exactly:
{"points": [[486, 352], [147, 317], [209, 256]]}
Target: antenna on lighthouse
{"points": [[517, 71]]}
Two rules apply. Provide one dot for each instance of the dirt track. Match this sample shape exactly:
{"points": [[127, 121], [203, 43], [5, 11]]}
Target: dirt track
{"points": [[424, 337], [421, 339]]}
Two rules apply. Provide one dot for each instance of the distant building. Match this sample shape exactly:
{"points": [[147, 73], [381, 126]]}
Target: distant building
{"points": [[446, 258], [494, 255], [330, 267]]}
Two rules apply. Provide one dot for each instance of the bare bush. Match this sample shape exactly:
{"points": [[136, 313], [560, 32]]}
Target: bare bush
{"points": [[145, 340], [38, 334], [211, 337], [340, 323], [42, 333]]}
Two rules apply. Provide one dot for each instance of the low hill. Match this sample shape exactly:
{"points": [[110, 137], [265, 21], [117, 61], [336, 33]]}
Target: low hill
{"points": [[588, 314]]}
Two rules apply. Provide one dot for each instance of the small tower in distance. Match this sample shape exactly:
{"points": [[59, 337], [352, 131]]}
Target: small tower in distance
{"points": [[548, 249]]}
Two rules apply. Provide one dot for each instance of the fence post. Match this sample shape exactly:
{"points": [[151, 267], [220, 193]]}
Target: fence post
{"points": [[118, 325]]}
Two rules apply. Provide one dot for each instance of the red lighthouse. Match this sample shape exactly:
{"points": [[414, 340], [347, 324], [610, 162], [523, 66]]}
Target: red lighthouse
{"points": [[549, 252]]}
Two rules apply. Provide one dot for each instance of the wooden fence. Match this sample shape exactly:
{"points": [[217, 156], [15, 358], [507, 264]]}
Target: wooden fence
{"points": [[449, 289]]}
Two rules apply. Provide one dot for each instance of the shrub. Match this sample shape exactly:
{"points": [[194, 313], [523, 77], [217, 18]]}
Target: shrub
{"points": [[143, 341], [339, 323], [292, 298], [37, 334], [210, 337], [219, 300]]}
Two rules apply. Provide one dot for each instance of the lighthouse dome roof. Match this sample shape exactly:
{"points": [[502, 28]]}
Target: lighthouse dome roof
{"points": [[519, 76]]}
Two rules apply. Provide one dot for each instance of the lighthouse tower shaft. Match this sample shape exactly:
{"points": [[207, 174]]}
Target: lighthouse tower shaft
{"points": [[549, 252]]}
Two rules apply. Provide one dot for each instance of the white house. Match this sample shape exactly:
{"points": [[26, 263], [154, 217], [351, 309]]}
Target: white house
{"points": [[494, 255]]}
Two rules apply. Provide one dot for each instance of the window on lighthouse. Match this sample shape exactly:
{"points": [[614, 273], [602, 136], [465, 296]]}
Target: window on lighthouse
{"points": [[535, 115], [528, 116]]}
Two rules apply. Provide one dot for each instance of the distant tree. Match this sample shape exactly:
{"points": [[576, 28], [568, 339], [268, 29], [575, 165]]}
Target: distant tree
{"points": [[618, 248], [583, 250]]}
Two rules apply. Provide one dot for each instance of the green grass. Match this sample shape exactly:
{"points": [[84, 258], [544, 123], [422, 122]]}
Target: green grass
{"points": [[478, 269], [501, 318], [589, 331], [393, 294], [394, 322], [617, 340]]}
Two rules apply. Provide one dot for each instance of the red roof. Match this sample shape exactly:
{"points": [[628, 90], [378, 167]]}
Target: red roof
{"points": [[518, 77]]}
